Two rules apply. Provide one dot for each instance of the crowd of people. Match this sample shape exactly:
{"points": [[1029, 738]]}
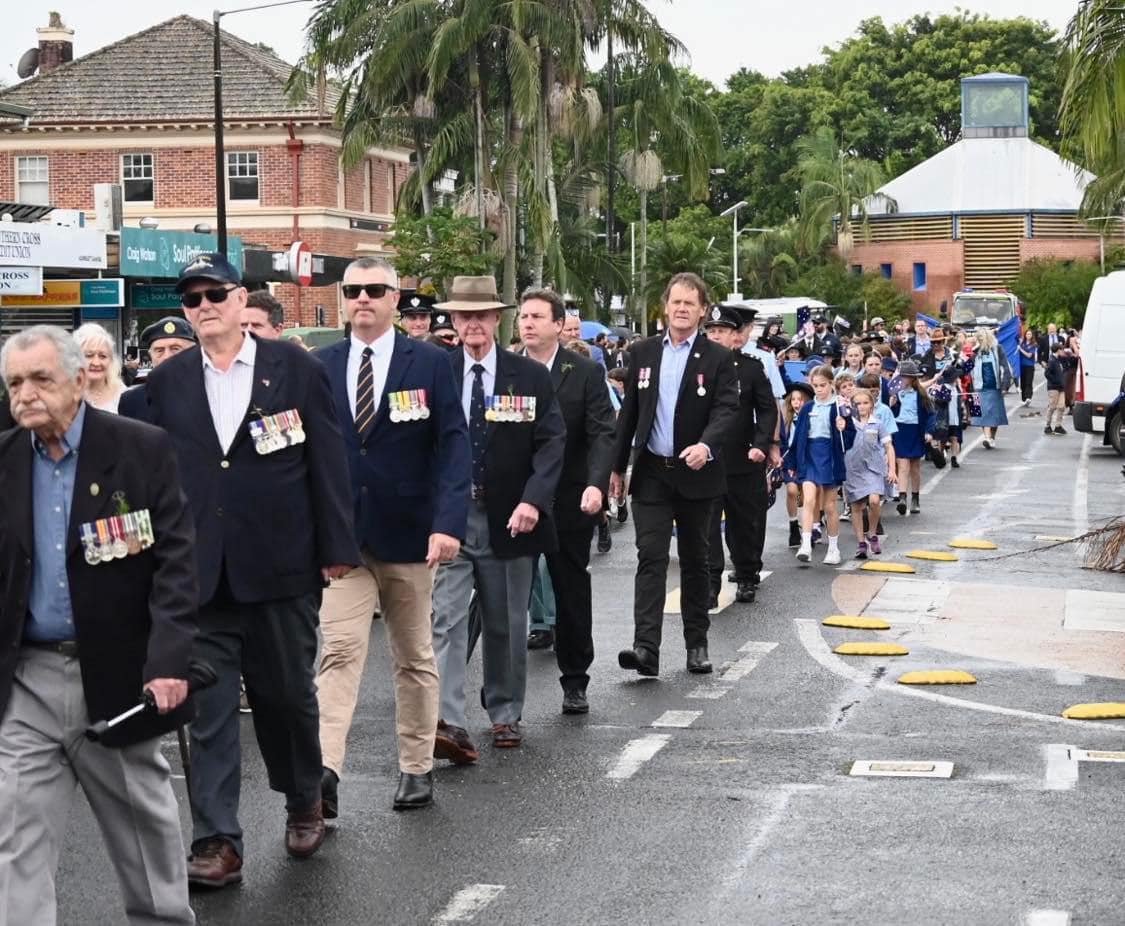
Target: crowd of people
{"points": [[251, 507]]}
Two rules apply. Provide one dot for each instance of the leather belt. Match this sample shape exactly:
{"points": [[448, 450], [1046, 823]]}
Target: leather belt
{"points": [[666, 462], [68, 648]]}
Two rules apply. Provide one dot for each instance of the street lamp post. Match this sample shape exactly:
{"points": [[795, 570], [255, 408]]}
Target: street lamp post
{"points": [[732, 211]]}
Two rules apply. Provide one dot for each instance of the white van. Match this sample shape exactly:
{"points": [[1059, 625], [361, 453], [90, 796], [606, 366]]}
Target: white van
{"points": [[1101, 377]]}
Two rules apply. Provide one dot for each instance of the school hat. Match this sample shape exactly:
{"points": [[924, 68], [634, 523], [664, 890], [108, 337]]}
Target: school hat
{"points": [[208, 266], [804, 388], [909, 368], [890, 364], [723, 316], [778, 343], [171, 327]]}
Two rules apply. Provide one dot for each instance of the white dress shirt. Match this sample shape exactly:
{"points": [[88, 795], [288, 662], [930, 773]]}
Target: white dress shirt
{"points": [[228, 392], [489, 378], [381, 349], [549, 363]]}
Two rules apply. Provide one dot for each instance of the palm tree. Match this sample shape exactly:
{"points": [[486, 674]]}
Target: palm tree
{"points": [[1092, 115], [836, 186], [673, 253], [770, 260]]}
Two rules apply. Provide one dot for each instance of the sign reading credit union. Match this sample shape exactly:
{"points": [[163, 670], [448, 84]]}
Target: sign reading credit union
{"points": [[37, 244]]}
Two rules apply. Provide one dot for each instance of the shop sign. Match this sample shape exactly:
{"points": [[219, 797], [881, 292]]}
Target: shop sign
{"points": [[154, 296], [71, 294], [21, 281], [159, 254], [37, 244]]}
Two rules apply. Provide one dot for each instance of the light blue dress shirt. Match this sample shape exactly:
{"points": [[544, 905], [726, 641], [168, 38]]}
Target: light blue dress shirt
{"points": [[769, 361], [49, 614], [908, 406], [820, 419], [673, 362]]}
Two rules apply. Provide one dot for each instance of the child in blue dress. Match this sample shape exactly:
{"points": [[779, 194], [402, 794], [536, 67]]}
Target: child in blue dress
{"points": [[870, 463], [795, 398], [914, 415], [819, 442]]}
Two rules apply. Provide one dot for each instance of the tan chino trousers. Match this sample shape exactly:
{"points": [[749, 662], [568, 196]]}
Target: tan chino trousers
{"points": [[404, 591]]}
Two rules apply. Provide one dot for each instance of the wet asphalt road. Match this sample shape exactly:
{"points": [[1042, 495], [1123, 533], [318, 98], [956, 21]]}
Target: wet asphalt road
{"points": [[748, 813]]}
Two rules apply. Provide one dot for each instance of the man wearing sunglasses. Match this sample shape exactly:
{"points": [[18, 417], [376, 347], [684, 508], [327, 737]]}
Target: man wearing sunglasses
{"points": [[408, 453], [263, 465]]}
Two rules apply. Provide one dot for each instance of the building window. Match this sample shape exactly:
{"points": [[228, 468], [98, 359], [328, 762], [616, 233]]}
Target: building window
{"points": [[242, 175], [32, 181], [920, 276], [136, 178], [857, 270], [887, 270]]}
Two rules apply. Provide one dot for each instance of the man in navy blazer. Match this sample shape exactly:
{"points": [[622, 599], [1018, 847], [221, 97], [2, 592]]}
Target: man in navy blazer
{"points": [[263, 466], [408, 454]]}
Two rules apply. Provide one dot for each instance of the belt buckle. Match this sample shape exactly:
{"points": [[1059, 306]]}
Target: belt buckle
{"points": [[68, 648], [669, 462]]}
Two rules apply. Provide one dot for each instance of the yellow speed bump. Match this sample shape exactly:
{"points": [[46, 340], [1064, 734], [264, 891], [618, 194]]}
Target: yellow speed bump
{"points": [[879, 566], [938, 677], [856, 623], [1102, 711], [871, 649], [938, 555], [970, 543]]}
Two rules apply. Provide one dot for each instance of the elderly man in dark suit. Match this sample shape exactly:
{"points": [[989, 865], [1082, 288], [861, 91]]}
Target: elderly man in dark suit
{"points": [[408, 453], [517, 440], [583, 397], [97, 601], [265, 470], [681, 400]]}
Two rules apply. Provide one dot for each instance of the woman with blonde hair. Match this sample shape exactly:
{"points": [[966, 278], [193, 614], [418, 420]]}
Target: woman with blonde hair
{"points": [[992, 376], [103, 367]]}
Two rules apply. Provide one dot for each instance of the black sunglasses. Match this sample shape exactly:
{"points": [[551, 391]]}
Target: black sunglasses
{"points": [[214, 296], [373, 290]]}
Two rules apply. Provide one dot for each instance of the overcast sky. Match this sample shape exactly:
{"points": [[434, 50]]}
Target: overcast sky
{"points": [[721, 35]]}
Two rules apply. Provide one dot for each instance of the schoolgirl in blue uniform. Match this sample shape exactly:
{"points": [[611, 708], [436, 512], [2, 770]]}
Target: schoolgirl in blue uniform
{"points": [[914, 415], [820, 439], [796, 396]]}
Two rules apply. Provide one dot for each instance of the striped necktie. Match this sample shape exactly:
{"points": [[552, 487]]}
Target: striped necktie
{"points": [[365, 396]]}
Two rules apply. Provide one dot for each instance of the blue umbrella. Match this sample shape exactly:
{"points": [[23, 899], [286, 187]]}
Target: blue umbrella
{"points": [[592, 329]]}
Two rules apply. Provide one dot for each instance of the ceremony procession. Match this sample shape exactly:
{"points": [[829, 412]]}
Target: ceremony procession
{"points": [[514, 463]]}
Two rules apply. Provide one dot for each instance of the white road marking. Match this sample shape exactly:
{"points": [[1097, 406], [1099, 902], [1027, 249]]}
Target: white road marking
{"points": [[467, 903], [778, 806], [1046, 918], [1097, 755], [1086, 610], [1080, 511], [726, 596], [636, 753], [808, 632], [900, 768], [909, 601], [753, 653], [1062, 767], [709, 692], [1067, 677], [677, 718]]}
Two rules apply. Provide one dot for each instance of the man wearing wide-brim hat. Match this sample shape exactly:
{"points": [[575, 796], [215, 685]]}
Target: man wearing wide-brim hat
{"points": [[517, 439]]}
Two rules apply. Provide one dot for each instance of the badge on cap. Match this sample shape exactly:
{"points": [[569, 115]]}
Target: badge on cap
{"points": [[415, 302], [716, 314], [169, 328], [199, 263]]}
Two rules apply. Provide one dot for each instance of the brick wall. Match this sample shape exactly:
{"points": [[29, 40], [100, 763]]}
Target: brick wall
{"points": [[1063, 248], [944, 262]]}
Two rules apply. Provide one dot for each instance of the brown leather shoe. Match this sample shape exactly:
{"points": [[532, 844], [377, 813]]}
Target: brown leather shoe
{"points": [[506, 735], [453, 743], [304, 831], [213, 863]]}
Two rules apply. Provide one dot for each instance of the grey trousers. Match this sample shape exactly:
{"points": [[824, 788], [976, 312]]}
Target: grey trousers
{"points": [[503, 586], [43, 754]]}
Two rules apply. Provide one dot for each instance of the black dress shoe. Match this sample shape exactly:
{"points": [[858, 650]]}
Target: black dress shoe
{"points": [[541, 639], [329, 781], [697, 660], [713, 601], [732, 577], [414, 791], [640, 661], [746, 592], [605, 539], [574, 702]]}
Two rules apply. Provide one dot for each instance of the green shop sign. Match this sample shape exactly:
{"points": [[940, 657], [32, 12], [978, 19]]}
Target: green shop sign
{"points": [[160, 254], [154, 296]]}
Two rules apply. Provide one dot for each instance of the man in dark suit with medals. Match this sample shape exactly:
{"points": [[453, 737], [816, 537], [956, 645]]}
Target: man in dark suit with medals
{"points": [[681, 399], [408, 453], [583, 398], [265, 471], [744, 458], [97, 601], [517, 441]]}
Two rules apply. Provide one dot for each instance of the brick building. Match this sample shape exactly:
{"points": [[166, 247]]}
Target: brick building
{"points": [[140, 113], [970, 216]]}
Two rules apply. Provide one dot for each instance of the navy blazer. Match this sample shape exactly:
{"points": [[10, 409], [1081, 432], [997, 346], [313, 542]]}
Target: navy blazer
{"points": [[134, 618], [841, 443], [269, 521], [409, 479]]}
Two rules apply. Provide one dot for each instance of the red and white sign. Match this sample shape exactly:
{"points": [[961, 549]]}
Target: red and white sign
{"points": [[300, 263]]}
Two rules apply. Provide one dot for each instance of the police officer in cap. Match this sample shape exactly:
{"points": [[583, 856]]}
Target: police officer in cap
{"points": [[162, 340], [414, 310], [442, 331], [744, 457]]}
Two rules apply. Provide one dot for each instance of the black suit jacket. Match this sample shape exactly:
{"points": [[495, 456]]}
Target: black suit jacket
{"points": [[703, 419], [134, 618], [583, 397], [522, 460], [133, 404], [757, 415], [271, 521]]}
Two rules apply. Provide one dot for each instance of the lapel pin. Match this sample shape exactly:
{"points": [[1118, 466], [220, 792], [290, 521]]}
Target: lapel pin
{"points": [[95, 488], [266, 382], [696, 356]]}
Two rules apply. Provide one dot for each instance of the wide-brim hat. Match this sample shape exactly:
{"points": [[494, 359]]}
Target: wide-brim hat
{"points": [[938, 335], [472, 294], [804, 388], [909, 368]]}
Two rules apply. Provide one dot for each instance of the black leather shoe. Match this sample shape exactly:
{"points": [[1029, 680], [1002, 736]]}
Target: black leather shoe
{"points": [[329, 782], [697, 660], [713, 601], [605, 539], [640, 661], [574, 702], [746, 592], [414, 791], [732, 577], [541, 639]]}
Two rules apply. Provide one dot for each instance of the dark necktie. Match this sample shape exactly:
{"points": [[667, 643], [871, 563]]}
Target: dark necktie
{"points": [[478, 430], [365, 396]]}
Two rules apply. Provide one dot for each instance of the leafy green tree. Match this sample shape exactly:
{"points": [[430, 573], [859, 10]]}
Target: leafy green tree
{"points": [[850, 293], [1055, 290], [440, 246]]}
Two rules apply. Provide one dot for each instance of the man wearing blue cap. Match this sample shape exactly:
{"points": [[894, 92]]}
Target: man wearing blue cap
{"points": [[265, 472]]}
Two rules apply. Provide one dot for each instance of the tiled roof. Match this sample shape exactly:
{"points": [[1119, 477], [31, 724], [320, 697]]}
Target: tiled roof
{"points": [[164, 74]]}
